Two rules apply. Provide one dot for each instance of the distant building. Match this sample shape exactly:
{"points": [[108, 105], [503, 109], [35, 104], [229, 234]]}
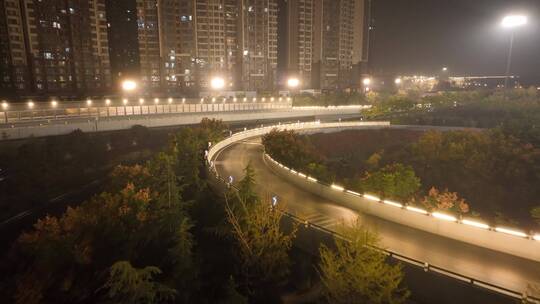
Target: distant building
{"points": [[55, 47], [298, 39], [184, 43], [340, 33], [123, 40]]}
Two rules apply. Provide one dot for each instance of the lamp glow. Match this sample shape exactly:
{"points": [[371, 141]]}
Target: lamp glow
{"points": [[475, 224], [353, 193], [293, 82], [129, 85], [511, 231], [156, 100], [336, 187], [217, 83], [125, 101], [417, 210], [107, 101], [30, 104], [141, 100], [512, 21], [371, 197], [4, 105], [89, 102], [366, 81], [392, 203], [444, 217], [397, 81], [54, 103]]}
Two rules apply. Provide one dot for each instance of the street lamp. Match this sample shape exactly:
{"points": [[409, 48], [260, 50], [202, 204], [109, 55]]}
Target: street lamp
{"points": [[4, 105], [397, 81], [366, 82], [129, 85], [217, 83], [511, 22], [293, 84], [444, 69]]}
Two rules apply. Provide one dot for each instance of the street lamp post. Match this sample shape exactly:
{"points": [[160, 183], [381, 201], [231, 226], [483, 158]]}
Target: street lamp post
{"points": [[511, 22], [293, 84]]}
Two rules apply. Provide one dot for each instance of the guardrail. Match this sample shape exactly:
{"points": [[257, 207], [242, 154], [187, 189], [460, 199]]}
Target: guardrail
{"points": [[54, 110], [441, 217]]}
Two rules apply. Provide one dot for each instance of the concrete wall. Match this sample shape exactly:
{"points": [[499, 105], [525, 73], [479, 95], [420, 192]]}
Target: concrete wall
{"points": [[111, 124], [489, 238], [522, 246]]}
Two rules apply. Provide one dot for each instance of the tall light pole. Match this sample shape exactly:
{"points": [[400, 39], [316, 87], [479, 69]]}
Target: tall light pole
{"points": [[511, 22]]}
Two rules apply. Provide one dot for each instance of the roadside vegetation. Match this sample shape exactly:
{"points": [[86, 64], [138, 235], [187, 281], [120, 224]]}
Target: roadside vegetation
{"points": [[158, 233], [493, 173]]}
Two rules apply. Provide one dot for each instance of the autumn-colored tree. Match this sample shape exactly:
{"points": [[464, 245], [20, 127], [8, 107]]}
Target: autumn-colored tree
{"points": [[354, 272], [445, 201], [66, 254]]}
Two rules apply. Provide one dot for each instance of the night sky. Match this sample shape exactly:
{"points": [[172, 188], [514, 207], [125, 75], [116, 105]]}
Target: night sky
{"points": [[422, 36]]}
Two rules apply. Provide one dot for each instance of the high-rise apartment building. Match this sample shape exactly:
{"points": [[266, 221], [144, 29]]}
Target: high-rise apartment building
{"points": [[13, 59], [298, 39], [183, 44], [339, 35], [123, 41], [258, 42], [55, 46]]}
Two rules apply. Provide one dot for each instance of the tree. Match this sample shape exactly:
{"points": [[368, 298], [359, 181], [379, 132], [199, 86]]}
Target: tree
{"points": [[445, 201], [395, 181], [356, 273], [291, 149], [263, 247], [130, 285], [246, 187]]}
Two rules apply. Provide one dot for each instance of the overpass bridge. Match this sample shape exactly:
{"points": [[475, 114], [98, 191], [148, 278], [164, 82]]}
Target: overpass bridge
{"points": [[47, 119], [501, 259]]}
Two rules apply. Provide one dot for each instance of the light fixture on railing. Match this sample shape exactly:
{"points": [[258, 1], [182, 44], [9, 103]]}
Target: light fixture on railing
{"points": [[5, 105], [89, 102], [169, 100], [183, 100], [30, 104], [54, 103], [107, 101], [141, 100], [125, 101], [156, 100]]}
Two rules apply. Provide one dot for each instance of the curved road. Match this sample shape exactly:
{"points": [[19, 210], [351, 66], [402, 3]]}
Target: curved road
{"points": [[479, 263]]}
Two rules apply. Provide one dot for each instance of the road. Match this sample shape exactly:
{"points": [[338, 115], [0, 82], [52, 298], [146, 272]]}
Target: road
{"points": [[479, 263]]}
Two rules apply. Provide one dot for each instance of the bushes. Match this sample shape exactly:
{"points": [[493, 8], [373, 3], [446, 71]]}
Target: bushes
{"points": [[394, 181]]}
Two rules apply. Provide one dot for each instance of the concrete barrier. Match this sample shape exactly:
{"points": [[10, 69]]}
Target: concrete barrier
{"points": [[446, 225], [501, 239]]}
